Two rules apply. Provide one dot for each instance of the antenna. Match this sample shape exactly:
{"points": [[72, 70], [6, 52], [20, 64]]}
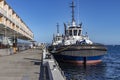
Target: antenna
{"points": [[78, 11]]}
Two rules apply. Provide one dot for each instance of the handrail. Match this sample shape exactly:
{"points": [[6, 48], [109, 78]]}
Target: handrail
{"points": [[47, 60], [3, 11], [59, 67]]}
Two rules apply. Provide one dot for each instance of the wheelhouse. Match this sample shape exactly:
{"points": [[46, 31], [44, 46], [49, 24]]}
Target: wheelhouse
{"points": [[74, 31]]}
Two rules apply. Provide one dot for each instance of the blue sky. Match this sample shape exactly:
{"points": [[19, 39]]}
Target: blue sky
{"points": [[100, 18]]}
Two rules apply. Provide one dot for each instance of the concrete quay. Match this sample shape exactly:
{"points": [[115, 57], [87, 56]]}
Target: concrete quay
{"points": [[50, 69], [24, 65]]}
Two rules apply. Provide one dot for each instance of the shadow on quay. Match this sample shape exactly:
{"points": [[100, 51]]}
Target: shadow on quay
{"points": [[35, 61]]}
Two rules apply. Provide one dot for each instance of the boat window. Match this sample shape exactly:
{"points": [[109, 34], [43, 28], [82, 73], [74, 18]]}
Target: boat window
{"points": [[75, 32], [58, 38], [79, 32], [70, 32]]}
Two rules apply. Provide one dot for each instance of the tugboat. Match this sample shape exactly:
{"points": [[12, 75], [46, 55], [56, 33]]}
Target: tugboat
{"points": [[75, 47]]}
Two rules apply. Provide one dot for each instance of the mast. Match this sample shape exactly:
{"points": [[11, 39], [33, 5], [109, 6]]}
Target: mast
{"points": [[73, 6], [65, 29], [57, 28]]}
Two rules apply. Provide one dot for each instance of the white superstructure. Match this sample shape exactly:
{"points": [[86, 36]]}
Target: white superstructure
{"points": [[73, 34]]}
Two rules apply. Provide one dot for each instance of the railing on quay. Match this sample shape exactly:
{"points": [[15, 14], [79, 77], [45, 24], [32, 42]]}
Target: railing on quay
{"points": [[54, 72]]}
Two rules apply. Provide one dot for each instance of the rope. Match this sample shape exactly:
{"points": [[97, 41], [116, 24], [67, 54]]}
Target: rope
{"points": [[63, 49]]}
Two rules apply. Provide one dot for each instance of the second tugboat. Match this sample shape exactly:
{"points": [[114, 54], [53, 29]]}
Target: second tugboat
{"points": [[75, 47]]}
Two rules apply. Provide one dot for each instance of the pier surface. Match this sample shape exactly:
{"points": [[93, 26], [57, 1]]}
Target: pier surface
{"points": [[24, 65]]}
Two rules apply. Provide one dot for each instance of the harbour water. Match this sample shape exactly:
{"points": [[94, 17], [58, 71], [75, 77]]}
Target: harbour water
{"points": [[108, 69]]}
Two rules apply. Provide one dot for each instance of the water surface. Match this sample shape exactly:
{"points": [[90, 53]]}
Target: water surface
{"points": [[109, 69]]}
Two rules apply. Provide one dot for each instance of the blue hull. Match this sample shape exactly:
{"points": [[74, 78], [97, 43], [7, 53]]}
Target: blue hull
{"points": [[78, 59]]}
